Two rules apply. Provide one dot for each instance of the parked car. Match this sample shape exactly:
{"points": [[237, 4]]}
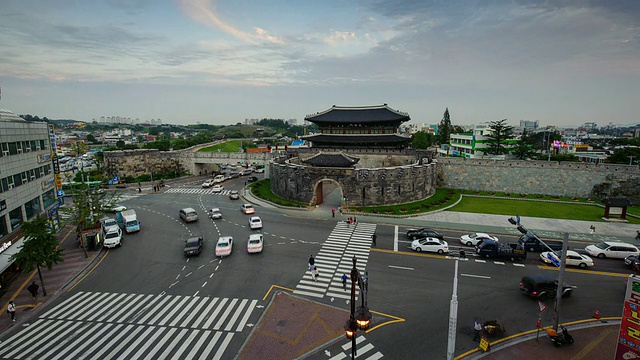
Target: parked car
{"points": [[193, 246], [217, 188], [224, 246], [430, 244], [255, 243], [252, 179], [108, 222], [215, 214], [259, 170], [475, 238], [255, 222], [532, 243], [247, 209], [573, 258], [245, 172], [612, 249], [543, 286], [234, 195], [422, 233], [114, 208], [208, 183], [492, 249]]}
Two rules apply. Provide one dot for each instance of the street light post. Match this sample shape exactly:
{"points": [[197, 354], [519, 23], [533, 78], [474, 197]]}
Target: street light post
{"points": [[360, 319], [453, 316]]}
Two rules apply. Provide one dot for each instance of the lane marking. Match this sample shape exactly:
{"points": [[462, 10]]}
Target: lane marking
{"points": [[395, 239], [476, 276], [590, 272], [401, 267]]}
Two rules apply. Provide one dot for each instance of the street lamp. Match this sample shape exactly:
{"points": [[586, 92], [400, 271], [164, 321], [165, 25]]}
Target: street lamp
{"points": [[360, 319]]}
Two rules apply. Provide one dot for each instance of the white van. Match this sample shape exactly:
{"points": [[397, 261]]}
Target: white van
{"points": [[188, 215], [218, 179]]}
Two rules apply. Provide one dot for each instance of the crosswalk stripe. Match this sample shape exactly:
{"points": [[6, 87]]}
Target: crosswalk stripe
{"points": [[193, 313], [221, 304], [115, 338], [212, 343], [225, 314], [133, 346], [172, 345], [77, 342], [174, 309], [198, 345], [165, 309], [61, 341], [160, 344], [205, 312], [98, 343], [187, 342], [151, 313], [223, 346], [236, 314], [152, 340], [247, 313]]}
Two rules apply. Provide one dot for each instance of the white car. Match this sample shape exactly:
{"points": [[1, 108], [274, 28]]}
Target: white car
{"points": [[475, 238], [208, 183], [215, 214], [612, 249], [224, 246], [255, 222], [430, 244], [255, 243], [573, 258], [217, 188], [247, 209], [112, 237]]}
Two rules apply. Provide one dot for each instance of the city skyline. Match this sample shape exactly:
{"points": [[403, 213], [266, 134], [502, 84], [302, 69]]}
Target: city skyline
{"points": [[221, 62]]}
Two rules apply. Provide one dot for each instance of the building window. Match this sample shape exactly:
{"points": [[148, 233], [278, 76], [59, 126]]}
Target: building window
{"points": [[42, 147], [13, 149], [48, 198], [38, 173], [3, 226], [5, 185], [33, 145], [15, 216], [32, 208]]}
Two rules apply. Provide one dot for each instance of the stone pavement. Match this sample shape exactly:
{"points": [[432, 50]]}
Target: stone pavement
{"points": [[56, 281], [594, 340]]}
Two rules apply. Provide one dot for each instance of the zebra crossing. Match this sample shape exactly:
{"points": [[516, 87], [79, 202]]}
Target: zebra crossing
{"points": [[365, 350], [103, 325], [335, 258], [187, 190]]}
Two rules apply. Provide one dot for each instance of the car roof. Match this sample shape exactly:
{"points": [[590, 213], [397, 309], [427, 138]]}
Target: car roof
{"points": [[617, 243], [255, 236], [215, 210], [225, 238], [247, 205]]}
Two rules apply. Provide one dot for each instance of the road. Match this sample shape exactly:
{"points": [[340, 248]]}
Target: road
{"points": [[146, 300]]}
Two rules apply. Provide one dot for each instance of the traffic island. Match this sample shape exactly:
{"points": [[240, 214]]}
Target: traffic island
{"points": [[292, 327]]}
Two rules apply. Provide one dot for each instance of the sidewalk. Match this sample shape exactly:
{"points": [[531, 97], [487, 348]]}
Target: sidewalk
{"points": [[56, 281]]}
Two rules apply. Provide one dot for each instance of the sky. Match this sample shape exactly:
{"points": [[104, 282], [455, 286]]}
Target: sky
{"points": [[563, 62]]}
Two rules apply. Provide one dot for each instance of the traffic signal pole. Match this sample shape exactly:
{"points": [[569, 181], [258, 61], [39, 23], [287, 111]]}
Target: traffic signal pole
{"points": [[563, 262]]}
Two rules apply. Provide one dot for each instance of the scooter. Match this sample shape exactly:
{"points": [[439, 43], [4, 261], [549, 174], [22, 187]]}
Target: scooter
{"points": [[559, 339]]}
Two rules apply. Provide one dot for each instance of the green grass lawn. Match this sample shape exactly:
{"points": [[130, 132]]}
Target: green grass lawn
{"points": [[533, 209], [227, 146]]}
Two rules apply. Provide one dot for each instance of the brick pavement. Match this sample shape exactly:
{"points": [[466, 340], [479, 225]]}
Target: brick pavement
{"points": [[56, 280]]}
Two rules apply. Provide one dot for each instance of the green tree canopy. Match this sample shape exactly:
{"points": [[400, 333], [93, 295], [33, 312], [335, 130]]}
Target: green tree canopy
{"points": [[496, 139], [422, 140], [621, 156], [39, 247], [525, 148], [444, 128]]}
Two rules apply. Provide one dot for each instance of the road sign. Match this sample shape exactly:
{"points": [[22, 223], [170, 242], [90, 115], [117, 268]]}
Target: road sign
{"points": [[542, 306], [553, 259]]}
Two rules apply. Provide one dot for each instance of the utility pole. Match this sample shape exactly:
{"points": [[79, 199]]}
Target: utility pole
{"points": [[453, 316], [563, 262]]}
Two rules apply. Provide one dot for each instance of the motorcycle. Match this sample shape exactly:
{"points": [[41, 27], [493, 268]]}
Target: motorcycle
{"points": [[562, 338]]}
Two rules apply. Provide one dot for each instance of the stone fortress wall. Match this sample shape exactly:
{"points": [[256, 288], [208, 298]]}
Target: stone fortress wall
{"points": [[572, 179], [400, 177]]}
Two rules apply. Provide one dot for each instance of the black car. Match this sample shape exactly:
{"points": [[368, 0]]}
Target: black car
{"points": [[252, 179], [193, 246], [423, 233], [543, 286], [633, 262]]}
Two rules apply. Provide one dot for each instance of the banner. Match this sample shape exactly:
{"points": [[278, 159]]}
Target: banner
{"points": [[629, 338]]}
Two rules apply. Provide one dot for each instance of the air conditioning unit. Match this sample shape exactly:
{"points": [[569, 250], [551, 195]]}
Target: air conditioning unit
{"points": [[24, 181], [19, 151], [33, 177], [5, 153], [28, 149], [10, 186]]}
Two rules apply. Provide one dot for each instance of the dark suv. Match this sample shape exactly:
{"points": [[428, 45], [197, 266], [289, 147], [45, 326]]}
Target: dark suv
{"points": [[423, 233], [543, 286]]}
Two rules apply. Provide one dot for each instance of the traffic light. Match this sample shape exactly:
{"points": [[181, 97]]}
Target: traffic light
{"points": [[522, 229]]}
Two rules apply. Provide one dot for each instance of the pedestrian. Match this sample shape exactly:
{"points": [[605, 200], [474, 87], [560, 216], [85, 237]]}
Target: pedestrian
{"points": [[333, 212], [11, 309], [316, 274], [477, 328], [592, 229], [374, 237], [312, 262], [344, 281], [139, 189], [33, 289], [637, 234], [354, 220]]}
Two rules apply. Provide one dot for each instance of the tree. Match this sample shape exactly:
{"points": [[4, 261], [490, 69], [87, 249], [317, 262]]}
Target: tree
{"points": [[444, 129], [40, 248], [422, 140], [621, 156], [500, 132], [92, 139], [525, 148]]}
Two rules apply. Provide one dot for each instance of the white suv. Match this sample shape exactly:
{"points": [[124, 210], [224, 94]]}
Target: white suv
{"points": [[612, 249], [112, 237]]}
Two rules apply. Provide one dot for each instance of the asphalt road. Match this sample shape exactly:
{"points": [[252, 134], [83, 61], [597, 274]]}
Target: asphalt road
{"points": [[151, 270]]}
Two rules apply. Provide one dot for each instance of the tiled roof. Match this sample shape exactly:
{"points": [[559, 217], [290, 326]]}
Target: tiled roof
{"points": [[362, 139], [6, 115], [360, 115], [331, 160]]}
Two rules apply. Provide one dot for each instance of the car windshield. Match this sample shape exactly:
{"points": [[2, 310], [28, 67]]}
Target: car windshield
{"points": [[111, 235], [473, 236], [248, 207], [132, 223], [192, 243], [108, 223], [254, 242], [223, 244], [602, 245]]}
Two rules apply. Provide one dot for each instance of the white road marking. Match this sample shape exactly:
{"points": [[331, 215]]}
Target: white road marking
{"points": [[476, 276], [401, 267], [498, 262], [517, 264], [480, 261], [205, 283], [395, 239]]}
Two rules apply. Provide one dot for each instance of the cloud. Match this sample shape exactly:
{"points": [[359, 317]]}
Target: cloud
{"points": [[342, 38], [203, 12]]}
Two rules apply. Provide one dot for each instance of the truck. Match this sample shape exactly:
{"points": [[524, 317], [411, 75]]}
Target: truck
{"points": [[532, 243], [492, 249], [129, 221]]}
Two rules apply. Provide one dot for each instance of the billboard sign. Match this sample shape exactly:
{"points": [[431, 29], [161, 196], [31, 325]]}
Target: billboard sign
{"points": [[629, 338]]}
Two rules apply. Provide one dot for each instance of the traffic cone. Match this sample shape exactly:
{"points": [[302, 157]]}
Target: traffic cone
{"points": [[597, 314]]}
